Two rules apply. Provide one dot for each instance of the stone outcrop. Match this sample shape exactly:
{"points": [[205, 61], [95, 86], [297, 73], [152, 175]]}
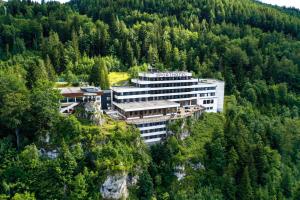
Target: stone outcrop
{"points": [[115, 187], [184, 134], [197, 166], [93, 110], [52, 154], [180, 172], [132, 180]]}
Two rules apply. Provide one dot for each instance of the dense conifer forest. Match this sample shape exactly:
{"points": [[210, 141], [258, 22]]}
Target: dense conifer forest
{"points": [[250, 151]]}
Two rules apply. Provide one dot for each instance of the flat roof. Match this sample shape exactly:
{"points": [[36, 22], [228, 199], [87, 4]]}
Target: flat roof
{"points": [[165, 74], [127, 89], [209, 81], [164, 81], [79, 91], [68, 90], [146, 105]]}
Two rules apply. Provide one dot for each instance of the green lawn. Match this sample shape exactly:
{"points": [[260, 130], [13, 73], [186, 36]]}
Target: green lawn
{"points": [[118, 78], [61, 84]]}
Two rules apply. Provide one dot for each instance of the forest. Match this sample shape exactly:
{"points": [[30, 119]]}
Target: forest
{"points": [[250, 151]]}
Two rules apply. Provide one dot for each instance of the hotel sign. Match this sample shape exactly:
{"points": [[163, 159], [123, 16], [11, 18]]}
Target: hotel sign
{"points": [[172, 74]]}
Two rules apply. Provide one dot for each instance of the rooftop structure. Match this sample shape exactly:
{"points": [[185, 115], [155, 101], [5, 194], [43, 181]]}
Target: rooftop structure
{"points": [[155, 98]]}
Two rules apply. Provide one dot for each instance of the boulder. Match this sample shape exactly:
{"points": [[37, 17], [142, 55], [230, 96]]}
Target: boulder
{"points": [[132, 180], [180, 172], [184, 134], [94, 112], [198, 166], [114, 187], [52, 154]]}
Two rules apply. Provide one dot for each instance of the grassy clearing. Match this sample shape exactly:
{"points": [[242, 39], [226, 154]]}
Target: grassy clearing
{"points": [[118, 78], [61, 84]]}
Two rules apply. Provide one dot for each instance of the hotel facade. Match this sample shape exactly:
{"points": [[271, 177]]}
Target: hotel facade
{"points": [[156, 98]]}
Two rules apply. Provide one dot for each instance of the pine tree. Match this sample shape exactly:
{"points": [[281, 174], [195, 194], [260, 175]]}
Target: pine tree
{"points": [[145, 186], [152, 56], [129, 54], [78, 188], [75, 45], [167, 52], [176, 59], [99, 74], [49, 69], [95, 74], [245, 191], [55, 50], [19, 46], [104, 81]]}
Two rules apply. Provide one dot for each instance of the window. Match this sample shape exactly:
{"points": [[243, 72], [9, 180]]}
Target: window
{"points": [[71, 99]]}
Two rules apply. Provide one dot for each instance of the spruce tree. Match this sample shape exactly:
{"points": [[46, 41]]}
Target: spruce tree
{"points": [[145, 186], [245, 191]]}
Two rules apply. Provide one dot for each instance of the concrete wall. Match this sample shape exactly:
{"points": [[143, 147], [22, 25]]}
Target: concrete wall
{"points": [[220, 94]]}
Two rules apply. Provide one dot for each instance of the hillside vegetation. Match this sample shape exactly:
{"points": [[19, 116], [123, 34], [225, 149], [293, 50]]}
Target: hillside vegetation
{"points": [[251, 151]]}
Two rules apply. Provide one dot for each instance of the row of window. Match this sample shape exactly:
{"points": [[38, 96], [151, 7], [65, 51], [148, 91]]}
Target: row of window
{"points": [[151, 124], [205, 88], [156, 92], [210, 101], [80, 99], [170, 91], [165, 85], [209, 108], [154, 98], [164, 78], [207, 94], [154, 130], [155, 136], [148, 112], [163, 91]]}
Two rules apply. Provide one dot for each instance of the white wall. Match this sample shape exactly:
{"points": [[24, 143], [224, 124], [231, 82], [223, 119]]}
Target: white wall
{"points": [[220, 94]]}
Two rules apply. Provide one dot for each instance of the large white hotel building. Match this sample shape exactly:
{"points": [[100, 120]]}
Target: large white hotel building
{"points": [[155, 98]]}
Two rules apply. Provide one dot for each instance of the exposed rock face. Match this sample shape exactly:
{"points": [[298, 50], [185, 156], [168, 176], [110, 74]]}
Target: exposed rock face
{"points": [[94, 112], [115, 187], [184, 134], [132, 180], [180, 172], [45, 138], [197, 166], [50, 154]]}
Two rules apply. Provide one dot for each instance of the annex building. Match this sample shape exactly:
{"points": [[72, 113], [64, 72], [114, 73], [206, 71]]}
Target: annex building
{"points": [[74, 96]]}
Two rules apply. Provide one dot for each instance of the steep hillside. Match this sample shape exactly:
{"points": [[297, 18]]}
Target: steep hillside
{"points": [[251, 151]]}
